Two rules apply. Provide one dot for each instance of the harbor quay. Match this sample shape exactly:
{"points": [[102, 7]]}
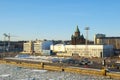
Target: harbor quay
{"points": [[42, 65], [11, 72]]}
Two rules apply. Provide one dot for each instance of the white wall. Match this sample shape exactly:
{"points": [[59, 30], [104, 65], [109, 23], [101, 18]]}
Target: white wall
{"points": [[37, 47], [27, 47], [82, 50], [58, 48]]}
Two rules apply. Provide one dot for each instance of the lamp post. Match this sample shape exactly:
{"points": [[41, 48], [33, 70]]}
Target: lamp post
{"points": [[86, 41]]}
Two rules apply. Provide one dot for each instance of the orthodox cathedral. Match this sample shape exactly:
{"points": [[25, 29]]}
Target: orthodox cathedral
{"points": [[76, 38]]}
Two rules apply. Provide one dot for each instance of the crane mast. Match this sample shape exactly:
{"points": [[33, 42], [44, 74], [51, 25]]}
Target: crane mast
{"points": [[8, 36]]}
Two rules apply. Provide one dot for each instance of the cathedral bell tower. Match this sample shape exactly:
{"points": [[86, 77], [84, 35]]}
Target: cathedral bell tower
{"points": [[77, 32]]}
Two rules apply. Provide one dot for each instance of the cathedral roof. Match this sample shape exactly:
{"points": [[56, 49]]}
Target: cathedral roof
{"points": [[77, 29]]}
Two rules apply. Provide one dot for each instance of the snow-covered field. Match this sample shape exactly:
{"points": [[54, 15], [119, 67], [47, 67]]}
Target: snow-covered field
{"points": [[8, 72]]}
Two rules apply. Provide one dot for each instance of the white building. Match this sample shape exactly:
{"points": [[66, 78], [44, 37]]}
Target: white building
{"points": [[39, 46], [36, 46], [83, 50], [58, 48], [27, 47]]}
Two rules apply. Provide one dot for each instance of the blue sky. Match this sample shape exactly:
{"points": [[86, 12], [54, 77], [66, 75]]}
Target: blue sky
{"points": [[57, 19]]}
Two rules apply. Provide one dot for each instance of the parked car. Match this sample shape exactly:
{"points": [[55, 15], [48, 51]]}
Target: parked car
{"points": [[69, 61], [85, 62], [55, 60]]}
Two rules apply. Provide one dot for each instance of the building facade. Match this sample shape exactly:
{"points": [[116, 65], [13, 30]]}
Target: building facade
{"points": [[37, 46], [80, 50], [58, 48], [97, 36], [115, 41], [77, 38], [28, 47], [12, 46]]}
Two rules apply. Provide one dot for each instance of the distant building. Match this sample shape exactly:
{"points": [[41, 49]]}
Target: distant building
{"points": [[77, 38], [115, 41], [61, 42], [14, 46], [80, 50], [28, 47], [58, 48], [42, 47], [37, 47], [97, 36]]}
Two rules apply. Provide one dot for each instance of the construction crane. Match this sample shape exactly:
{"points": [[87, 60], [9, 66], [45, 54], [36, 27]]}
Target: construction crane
{"points": [[8, 36]]}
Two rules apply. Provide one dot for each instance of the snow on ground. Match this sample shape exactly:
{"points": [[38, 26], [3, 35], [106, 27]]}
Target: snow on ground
{"points": [[47, 59], [8, 72]]}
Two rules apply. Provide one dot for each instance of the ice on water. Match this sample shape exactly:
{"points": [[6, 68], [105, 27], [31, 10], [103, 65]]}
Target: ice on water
{"points": [[8, 72]]}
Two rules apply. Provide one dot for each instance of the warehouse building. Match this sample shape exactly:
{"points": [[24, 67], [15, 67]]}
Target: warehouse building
{"points": [[83, 50]]}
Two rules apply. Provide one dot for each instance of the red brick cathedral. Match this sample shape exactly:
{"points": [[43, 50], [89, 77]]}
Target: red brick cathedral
{"points": [[77, 38]]}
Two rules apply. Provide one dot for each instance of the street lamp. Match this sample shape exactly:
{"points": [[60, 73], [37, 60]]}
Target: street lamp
{"points": [[86, 41], [86, 28]]}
